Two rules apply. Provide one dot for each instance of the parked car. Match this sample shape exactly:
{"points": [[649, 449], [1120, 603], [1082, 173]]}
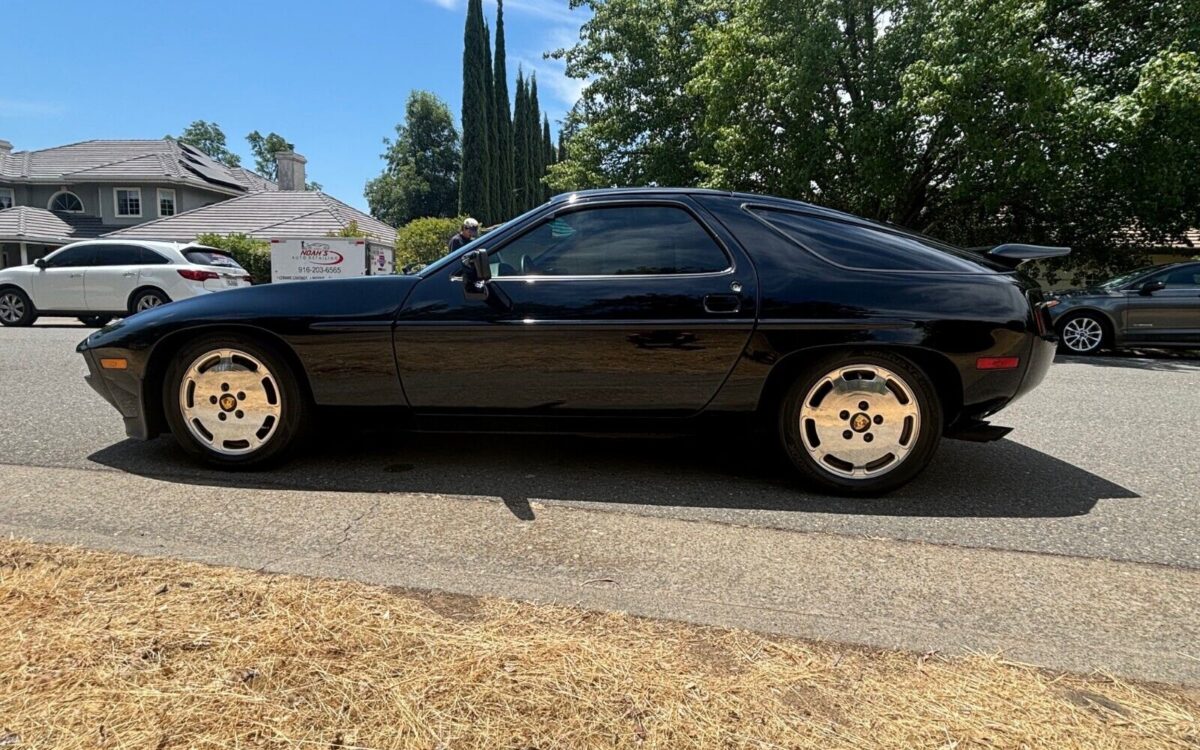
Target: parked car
{"points": [[98, 280], [859, 344], [1157, 306]]}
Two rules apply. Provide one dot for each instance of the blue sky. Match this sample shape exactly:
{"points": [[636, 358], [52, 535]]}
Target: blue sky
{"points": [[332, 77]]}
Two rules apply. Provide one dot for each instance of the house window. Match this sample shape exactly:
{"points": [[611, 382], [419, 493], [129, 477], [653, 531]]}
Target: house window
{"points": [[128, 201], [65, 200], [6, 198], [166, 202]]}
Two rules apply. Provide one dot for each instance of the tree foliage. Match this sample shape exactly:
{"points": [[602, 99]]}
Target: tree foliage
{"points": [[420, 176], [264, 148], [210, 139], [503, 182], [424, 240], [474, 184], [979, 121]]}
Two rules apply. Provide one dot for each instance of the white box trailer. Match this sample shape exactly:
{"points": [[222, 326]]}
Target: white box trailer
{"points": [[328, 258]]}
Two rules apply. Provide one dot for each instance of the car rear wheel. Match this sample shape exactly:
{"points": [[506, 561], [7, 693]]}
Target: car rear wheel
{"points": [[147, 299], [234, 401], [16, 309], [861, 424], [1082, 334]]}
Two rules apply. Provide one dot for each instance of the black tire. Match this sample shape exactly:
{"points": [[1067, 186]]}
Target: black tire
{"points": [[16, 309], [1082, 333], [798, 430], [146, 299], [289, 429], [95, 321]]}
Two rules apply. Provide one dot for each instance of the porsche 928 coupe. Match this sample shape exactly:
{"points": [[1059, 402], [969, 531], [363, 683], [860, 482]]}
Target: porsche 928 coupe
{"points": [[859, 345]]}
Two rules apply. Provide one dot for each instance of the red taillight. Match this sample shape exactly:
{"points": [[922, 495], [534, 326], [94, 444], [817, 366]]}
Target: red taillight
{"points": [[193, 275], [997, 363]]}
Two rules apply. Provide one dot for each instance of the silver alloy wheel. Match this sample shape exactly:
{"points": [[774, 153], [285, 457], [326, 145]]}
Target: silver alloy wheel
{"points": [[148, 301], [859, 421], [230, 401], [12, 307], [1082, 334]]}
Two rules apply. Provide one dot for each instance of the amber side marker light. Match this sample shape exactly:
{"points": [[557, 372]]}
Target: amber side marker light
{"points": [[997, 363], [115, 363]]}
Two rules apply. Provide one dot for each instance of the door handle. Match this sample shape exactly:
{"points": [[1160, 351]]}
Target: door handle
{"points": [[76, 276], [129, 275], [722, 303]]}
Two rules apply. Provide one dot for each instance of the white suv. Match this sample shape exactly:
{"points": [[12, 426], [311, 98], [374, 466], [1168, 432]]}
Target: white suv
{"points": [[99, 280]]}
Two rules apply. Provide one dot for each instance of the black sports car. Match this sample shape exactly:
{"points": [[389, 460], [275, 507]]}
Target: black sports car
{"points": [[1158, 306], [860, 344]]}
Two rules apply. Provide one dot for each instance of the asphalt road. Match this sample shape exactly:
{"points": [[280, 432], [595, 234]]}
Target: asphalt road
{"points": [[1104, 462], [1071, 544]]}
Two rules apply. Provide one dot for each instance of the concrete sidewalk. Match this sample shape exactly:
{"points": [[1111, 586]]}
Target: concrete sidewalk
{"points": [[1078, 614]]}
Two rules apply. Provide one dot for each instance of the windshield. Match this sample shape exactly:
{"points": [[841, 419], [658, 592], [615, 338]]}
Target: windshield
{"points": [[1125, 278]]}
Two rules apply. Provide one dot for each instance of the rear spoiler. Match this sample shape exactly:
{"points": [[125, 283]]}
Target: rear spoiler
{"points": [[1013, 254]]}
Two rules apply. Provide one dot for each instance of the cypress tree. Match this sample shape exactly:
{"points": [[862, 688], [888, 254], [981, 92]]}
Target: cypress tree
{"points": [[521, 145], [505, 188], [548, 151], [489, 101], [473, 183], [537, 155]]}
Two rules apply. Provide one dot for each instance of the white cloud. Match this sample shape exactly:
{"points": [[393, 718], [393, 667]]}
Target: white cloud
{"points": [[29, 108], [553, 10], [552, 79]]}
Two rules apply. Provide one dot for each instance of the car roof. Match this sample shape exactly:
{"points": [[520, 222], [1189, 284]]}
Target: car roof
{"points": [[154, 245], [617, 192]]}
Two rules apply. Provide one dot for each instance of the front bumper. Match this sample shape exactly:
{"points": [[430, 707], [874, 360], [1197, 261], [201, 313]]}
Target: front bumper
{"points": [[121, 388]]}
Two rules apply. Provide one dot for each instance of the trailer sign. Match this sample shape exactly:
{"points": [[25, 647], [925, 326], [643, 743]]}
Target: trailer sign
{"points": [[326, 258]]}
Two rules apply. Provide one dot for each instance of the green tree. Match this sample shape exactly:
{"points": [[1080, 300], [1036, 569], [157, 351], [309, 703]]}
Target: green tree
{"points": [[252, 254], [421, 170], [504, 187], [474, 187], [209, 138], [494, 209], [549, 155], [978, 121], [424, 240], [264, 148], [521, 167], [537, 152]]}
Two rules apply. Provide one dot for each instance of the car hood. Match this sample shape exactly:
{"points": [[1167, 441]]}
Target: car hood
{"points": [[282, 308]]}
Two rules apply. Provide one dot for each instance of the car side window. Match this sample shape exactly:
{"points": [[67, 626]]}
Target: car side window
{"points": [[864, 246], [613, 241], [148, 257], [1183, 277], [74, 257], [117, 255]]}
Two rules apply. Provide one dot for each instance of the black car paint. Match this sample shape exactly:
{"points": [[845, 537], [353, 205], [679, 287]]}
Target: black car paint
{"points": [[580, 347], [1163, 318]]}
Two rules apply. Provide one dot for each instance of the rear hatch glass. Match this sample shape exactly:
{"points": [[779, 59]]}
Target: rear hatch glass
{"points": [[212, 258]]}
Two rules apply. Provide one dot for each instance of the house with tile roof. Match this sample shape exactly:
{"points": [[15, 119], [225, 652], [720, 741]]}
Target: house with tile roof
{"points": [[155, 189]]}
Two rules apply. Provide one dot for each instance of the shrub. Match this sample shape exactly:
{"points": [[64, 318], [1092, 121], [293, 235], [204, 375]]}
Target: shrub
{"points": [[422, 241], [254, 255]]}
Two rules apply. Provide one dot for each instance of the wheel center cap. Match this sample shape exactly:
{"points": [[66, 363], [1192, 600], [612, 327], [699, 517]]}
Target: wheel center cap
{"points": [[228, 402], [860, 422]]}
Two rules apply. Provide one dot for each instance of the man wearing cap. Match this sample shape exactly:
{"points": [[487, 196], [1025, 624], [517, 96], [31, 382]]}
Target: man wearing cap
{"points": [[470, 230]]}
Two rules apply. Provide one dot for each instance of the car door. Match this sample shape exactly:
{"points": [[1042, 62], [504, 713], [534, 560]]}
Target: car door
{"points": [[1170, 314], [59, 285], [112, 277], [602, 307]]}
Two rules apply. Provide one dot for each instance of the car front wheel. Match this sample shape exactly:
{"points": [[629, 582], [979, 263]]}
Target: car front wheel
{"points": [[1081, 334], [234, 402], [861, 424], [16, 309]]}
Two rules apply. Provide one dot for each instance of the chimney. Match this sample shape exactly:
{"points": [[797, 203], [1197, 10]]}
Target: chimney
{"points": [[5, 148], [289, 170]]}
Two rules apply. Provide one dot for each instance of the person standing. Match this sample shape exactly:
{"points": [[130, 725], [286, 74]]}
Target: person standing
{"points": [[469, 231]]}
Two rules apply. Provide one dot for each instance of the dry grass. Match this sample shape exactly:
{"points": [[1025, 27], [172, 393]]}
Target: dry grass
{"points": [[106, 650]]}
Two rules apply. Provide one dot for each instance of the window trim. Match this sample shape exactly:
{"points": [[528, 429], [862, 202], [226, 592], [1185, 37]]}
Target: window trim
{"points": [[158, 194], [117, 203], [82, 206], [750, 208], [12, 197], [731, 268]]}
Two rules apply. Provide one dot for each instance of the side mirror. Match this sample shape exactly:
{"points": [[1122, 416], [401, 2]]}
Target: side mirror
{"points": [[40, 263], [1150, 287], [476, 274]]}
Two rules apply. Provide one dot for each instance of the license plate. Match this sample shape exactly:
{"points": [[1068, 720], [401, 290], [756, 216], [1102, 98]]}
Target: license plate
{"points": [[231, 282]]}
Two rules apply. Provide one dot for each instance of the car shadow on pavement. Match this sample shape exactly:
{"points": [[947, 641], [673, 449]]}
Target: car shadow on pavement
{"points": [[1001, 479]]}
